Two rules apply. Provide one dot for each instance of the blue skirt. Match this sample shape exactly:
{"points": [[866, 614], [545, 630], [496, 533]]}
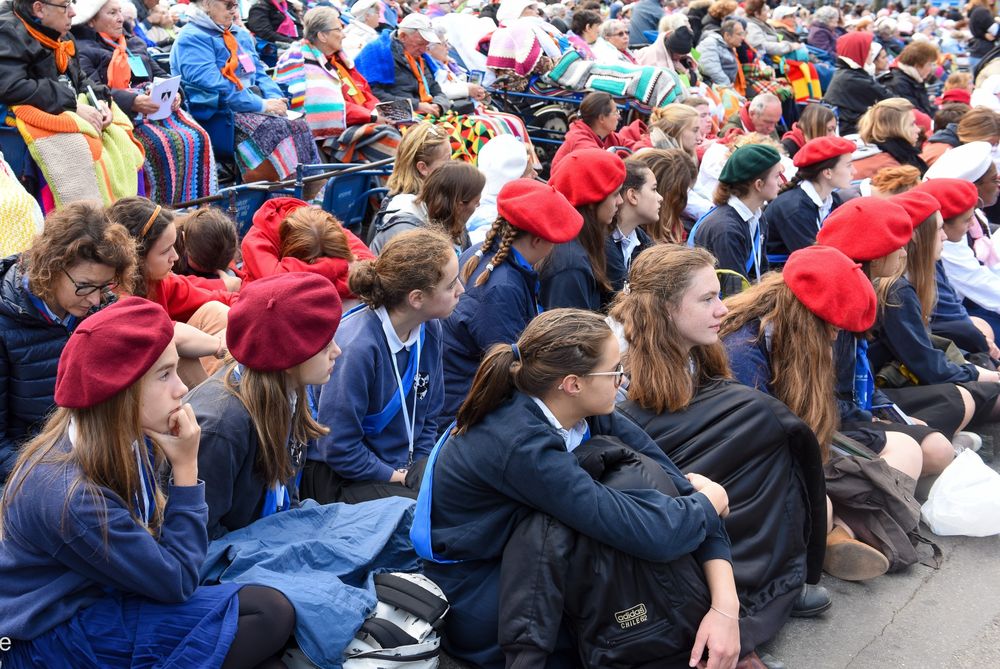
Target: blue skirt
{"points": [[129, 632]]}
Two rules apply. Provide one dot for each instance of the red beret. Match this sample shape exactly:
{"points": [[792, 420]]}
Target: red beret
{"points": [[540, 209], [832, 286], [917, 204], [283, 320], [924, 121], [957, 95], [273, 212], [866, 228], [110, 351], [823, 148], [588, 176], [956, 196]]}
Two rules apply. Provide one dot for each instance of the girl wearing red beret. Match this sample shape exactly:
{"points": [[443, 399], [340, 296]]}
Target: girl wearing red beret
{"points": [[796, 215], [100, 561], [779, 336], [385, 394], [200, 314], [679, 392], [255, 416]]}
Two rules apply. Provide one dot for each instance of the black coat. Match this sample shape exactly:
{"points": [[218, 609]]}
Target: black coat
{"points": [[905, 86], [623, 611], [617, 272], [30, 347], [95, 54], [792, 221], [852, 92], [770, 465], [28, 73], [980, 20], [264, 19]]}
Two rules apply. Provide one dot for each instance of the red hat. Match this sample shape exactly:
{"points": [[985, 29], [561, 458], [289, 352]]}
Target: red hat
{"points": [[588, 176], [866, 228], [924, 121], [131, 334], [957, 95], [273, 212], [823, 148], [832, 286], [917, 204], [539, 209], [283, 320], [956, 196]]}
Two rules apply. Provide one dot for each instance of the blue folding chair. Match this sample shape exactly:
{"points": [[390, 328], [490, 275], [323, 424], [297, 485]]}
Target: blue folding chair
{"points": [[348, 196], [15, 151]]}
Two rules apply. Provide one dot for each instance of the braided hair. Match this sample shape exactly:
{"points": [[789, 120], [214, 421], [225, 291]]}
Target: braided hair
{"points": [[502, 232]]}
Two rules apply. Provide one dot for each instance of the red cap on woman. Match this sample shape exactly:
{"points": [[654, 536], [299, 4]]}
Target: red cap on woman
{"points": [[588, 176], [866, 228], [832, 286]]}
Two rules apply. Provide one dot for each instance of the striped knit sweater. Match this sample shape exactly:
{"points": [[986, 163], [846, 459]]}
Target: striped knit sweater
{"points": [[314, 87]]}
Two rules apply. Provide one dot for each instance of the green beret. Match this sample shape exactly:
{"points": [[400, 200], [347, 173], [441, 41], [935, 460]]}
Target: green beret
{"points": [[749, 162]]}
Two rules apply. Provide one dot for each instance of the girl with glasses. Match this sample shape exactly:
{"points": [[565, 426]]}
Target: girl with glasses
{"points": [[67, 274], [533, 403]]}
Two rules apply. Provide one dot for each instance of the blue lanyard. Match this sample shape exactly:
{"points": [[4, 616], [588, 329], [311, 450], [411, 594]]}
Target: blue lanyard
{"points": [[521, 261], [147, 484], [864, 383], [420, 530]]}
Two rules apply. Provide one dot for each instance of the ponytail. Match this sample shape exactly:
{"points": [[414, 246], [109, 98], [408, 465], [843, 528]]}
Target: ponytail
{"points": [[492, 385]]}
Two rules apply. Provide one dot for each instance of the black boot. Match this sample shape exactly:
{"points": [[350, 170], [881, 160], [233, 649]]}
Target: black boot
{"points": [[812, 601]]}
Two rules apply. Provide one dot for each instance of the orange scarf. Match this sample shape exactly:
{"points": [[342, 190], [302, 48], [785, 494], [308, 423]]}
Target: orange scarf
{"points": [[417, 67], [64, 50], [740, 84], [229, 69], [345, 76], [119, 71]]}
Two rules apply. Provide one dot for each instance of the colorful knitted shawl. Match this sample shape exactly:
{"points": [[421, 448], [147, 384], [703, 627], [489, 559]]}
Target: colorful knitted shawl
{"points": [[62, 144], [315, 88]]}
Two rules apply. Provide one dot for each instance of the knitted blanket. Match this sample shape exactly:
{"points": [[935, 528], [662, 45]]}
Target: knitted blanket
{"points": [[520, 45], [651, 86], [20, 216], [179, 165], [314, 87], [63, 144]]}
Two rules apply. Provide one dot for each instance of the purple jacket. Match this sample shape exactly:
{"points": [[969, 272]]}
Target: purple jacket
{"points": [[822, 37]]}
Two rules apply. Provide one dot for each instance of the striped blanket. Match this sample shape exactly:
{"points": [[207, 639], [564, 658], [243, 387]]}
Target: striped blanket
{"points": [[179, 165], [651, 86], [62, 144], [314, 87]]}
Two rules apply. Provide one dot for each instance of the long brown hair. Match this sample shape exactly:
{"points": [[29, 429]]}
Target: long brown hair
{"points": [[592, 238], [501, 233], [413, 260], [814, 119], [137, 215], [309, 233], [102, 451], [206, 241], [921, 264], [265, 397], [801, 354], [79, 232], [555, 344], [658, 367], [447, 187], [675, 173]]}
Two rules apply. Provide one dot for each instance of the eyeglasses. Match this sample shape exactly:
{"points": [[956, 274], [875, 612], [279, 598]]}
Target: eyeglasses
{"points": [[620, 33], [230, 5], [84, 289], [63, 6], [619, 374]]}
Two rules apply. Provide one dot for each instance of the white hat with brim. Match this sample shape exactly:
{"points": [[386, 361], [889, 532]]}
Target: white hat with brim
{"points": [[86, 10], [783, 11], [969, 161], [420, 24], [362, 7]]}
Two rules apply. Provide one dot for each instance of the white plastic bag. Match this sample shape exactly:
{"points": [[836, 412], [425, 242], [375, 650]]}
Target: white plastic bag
{"points": [[965, 499]]}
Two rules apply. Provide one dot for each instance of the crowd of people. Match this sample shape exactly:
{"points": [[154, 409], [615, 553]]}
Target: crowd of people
{"points": [[625, 415]]}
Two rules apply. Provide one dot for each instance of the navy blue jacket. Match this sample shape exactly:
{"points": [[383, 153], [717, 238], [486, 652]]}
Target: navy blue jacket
{"points": [[900, 334], [568, 279], [617, 272], [54, 559], [30, 347], [949, 306], [723, 232], [515, 461], [494, 313], [362, 383], [793, 221]]}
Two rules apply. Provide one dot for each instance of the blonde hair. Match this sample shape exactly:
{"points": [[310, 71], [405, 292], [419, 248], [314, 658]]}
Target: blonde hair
{"points": [[895, 180], [674, 119], [887, 119], [961, 80], [419, 144]]}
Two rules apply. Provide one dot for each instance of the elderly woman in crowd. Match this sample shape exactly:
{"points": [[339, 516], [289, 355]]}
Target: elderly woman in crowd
{"points": [[910, 72], [179, 162], [853, 88], [761, 36], [612, 45], [337, 101], [452, 77], [585, 31], [218, 64], [823, 31], [365, 17]]}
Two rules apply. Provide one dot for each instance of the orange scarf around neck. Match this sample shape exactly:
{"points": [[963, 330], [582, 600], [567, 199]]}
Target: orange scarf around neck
{"points": [[229, 69], [417, 67], [119, 71], [345, 77], [740, 84], [64, 49]]}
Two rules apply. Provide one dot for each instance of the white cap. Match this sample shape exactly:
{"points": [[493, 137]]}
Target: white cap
{"points": [[86, 10], [782, 11], [361, 7], [969, 161], [512, 9], [420, 24]]}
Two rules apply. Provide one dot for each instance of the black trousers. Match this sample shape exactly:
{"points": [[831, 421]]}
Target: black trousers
{"points": [[321, 483]]}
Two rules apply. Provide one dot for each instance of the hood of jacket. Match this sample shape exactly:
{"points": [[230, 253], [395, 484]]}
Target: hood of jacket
{"points": [[855, 46], [946, 135], [14, 302], [405, 203], [268, 218], [503, 159], [795, 135]]}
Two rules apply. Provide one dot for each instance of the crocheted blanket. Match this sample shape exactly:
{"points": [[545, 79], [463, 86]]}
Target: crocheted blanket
{"points": [[62, 144], [651, 86], [20, 216], [315, 89]]}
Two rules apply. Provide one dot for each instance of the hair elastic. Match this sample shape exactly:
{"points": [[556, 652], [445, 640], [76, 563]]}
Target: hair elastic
{"points": [[149, 223], [490, 267], [516, 351], [626, 289], [479, 253]]}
